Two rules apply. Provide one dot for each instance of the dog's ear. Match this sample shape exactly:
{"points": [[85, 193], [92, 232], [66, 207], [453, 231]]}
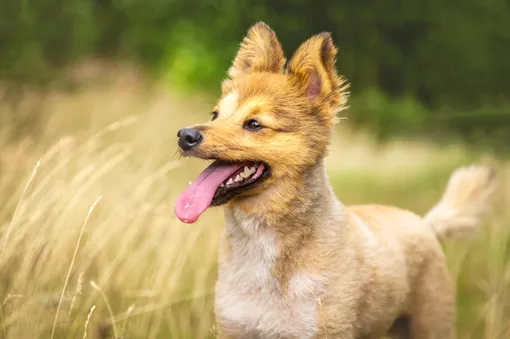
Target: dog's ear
{"points": [[313, 67], [260, 51]]}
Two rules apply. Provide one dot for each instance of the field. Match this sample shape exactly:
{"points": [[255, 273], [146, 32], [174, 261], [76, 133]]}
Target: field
{"points": [[90, 246]]}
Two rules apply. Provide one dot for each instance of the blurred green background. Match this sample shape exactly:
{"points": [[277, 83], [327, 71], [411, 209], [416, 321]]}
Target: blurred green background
{"points": [[433, 68]]}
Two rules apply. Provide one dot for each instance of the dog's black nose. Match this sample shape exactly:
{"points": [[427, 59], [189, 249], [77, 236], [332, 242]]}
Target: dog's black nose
{"points": [[189, 138]]}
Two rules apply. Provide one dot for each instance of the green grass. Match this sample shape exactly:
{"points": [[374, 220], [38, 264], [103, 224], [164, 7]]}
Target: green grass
{"points": [[131, 267]]}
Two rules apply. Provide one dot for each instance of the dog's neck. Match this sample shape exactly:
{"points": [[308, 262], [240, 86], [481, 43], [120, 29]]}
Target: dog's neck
{"points": [[287, 220]]}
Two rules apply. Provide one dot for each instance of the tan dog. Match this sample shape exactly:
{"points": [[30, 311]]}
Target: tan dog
{"points": [[295, 262]]}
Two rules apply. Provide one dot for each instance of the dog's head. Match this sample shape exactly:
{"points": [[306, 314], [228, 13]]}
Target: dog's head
{"points": [[271, 123]]}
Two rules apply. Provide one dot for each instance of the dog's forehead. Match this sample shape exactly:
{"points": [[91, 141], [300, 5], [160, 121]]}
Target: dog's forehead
{"points": [[253, 91], [229, 103], [233, 103]]}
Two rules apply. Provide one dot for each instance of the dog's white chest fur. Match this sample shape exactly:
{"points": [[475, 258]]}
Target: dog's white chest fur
{"points": [[249, 302]]}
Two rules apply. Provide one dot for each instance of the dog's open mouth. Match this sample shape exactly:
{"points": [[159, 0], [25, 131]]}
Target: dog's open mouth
{"points": [[216, 185]]}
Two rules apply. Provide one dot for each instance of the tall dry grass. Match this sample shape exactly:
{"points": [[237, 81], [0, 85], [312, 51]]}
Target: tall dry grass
{"points": [[87, 221], [90, 246]]}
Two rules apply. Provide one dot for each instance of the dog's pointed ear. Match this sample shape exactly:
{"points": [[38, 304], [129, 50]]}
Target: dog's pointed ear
{"points": [[313, 66], [260, 51]]}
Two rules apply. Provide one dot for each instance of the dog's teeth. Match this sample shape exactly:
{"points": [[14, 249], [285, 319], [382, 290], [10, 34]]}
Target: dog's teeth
{"points": [[230, 181], [247, 171], [238, 178], [222, 185], [253, 170]]}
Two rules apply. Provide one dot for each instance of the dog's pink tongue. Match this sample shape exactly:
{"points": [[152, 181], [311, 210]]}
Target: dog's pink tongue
{"points": [[198, 196]]}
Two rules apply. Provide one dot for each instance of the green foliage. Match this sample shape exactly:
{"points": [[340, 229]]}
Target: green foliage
{"points": [[37, 37], [385, 116], [440, 54]]}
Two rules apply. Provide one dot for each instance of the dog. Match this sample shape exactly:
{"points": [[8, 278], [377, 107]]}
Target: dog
{"points": [[294, 262]]}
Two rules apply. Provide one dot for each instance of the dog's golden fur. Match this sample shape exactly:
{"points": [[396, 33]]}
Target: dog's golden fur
{"points": [[296, 263]]}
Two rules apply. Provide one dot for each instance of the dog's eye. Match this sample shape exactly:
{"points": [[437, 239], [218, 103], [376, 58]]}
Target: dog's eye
{"points": [[214, 115], [252, 125]]}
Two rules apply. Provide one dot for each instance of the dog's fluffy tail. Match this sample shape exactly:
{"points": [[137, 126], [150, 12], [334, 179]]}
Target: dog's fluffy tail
{"points": [[466, 200]]}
